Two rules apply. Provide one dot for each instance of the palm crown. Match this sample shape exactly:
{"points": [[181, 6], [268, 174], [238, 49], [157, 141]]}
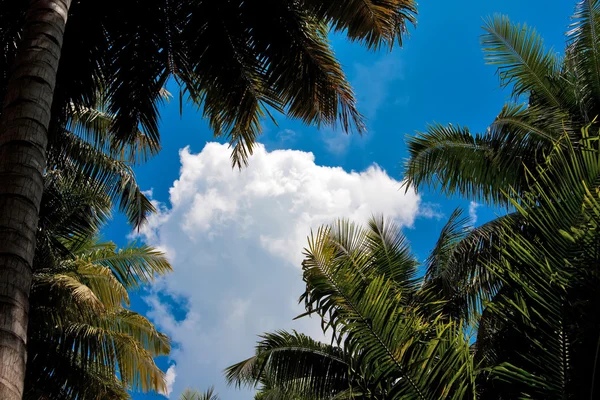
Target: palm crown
{"points": [[557, 94], [232, 58]]}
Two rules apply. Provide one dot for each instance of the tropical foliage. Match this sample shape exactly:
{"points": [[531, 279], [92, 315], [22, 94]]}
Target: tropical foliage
{"points": [[231, 58], [83, 342], [190, 394], [552, 95], [526, 283], [394, 336], [386, 342]]}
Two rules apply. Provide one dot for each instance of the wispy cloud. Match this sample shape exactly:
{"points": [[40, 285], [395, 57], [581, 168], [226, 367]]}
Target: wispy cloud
{"points": [[286, 136], [431, 210], [372, 83], [473, 206], [336, 142]]}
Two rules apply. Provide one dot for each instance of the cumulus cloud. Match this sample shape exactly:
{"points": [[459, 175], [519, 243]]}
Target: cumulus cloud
{"points": [[235, 240]]}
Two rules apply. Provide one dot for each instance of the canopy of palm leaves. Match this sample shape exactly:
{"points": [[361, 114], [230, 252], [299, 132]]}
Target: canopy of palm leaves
{"points": [[83, 343], [387, 342], [552, 94], [539, 336], [397, 337], [237, 60]]}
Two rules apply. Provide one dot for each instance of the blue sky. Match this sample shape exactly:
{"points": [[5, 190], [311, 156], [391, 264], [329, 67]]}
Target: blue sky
{"points": [[235, 238]]}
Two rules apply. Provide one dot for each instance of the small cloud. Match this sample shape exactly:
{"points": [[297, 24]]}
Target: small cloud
{"points": [[286, 135], [431, 210], [170, 376], [473, 206]]}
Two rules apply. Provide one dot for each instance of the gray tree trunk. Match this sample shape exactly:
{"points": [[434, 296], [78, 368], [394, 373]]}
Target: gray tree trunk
{"points": [[23, 139]]}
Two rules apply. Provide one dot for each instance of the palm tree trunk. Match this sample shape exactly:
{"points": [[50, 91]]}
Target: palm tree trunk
{"points": [[23, 139]]}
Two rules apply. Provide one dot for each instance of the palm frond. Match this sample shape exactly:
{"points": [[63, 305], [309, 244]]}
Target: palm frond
{"points": [[478, 167], [551, 280], [372, 22], [110, 176], [133, 265], [94, 125], [584, 53], [296, 365], [522, 60], [368, 315]]}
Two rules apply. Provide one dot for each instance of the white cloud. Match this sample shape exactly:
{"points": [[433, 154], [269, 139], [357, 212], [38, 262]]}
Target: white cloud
{"points": [[473, 206], [170, 376], [235, 240], [431, 210]]}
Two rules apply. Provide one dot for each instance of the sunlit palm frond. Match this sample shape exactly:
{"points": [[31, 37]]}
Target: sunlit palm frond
{"points": [[367, 314], [133, 265], [522, 60], [476, 166], [94, 126], [191, 394], [110, 176]]}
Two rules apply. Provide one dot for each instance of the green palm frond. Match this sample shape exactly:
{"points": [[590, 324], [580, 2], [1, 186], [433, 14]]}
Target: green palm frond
{"points": [[367, 314], [94, 125], [451, 158], [458, 281], [584, 53], [522, 60], [77, 307], [390, 254], [374, 23], [133, 265], [552, 301], [108, 175], [296, 365]]}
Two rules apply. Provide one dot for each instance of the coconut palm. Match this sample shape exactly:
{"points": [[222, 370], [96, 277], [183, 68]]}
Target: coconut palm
{"points": [[538, 338], [538, 333], [235, 61], [83, 343], [552, 94], [386, 342]]}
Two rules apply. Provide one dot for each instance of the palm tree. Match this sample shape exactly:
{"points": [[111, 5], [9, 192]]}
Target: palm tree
{"points": [[231, 58], [386, 342], [83, 342], [558, 94], [538, 337], [551, 95]]}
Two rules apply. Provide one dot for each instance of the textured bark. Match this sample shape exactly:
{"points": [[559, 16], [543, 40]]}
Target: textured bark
{"points": [[23, 139]]}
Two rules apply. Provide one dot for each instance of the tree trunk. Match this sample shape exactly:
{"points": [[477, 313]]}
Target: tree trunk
{"points": [[23, 139]]}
